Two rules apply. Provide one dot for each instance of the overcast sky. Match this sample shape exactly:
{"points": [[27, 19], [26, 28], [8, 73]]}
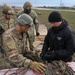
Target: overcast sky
{"points": [[39, 2]]}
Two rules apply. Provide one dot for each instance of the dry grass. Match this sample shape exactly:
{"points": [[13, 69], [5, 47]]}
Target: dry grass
{"points": [[43, 18]]}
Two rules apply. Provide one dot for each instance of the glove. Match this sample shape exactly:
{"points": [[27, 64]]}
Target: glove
{"points": [[49, 56], [37, 66], [37, 33]]}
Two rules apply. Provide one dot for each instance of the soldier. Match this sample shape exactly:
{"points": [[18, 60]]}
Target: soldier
{"points": [[27, 9], [16, 48], [6, 20], [58, 46]]}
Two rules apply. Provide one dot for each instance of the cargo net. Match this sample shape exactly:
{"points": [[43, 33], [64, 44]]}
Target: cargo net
{"points": [[50, 71], [18, 71]]}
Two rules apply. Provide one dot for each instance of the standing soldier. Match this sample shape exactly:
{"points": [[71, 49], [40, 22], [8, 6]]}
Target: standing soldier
{"points": [[27, 9], [6, 20], [15, 46]]}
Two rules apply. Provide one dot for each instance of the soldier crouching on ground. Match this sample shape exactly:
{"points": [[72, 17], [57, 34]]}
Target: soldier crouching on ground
{"points": [[58, 46], [15, 46]]}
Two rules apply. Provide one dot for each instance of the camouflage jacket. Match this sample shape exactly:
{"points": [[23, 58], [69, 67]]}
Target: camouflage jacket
{"points": [[15, 45], [6, 24]]}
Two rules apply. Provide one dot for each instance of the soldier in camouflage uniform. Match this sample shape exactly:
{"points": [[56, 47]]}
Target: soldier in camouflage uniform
{"points": [[27, 9], [16, 48], [6, 20]]}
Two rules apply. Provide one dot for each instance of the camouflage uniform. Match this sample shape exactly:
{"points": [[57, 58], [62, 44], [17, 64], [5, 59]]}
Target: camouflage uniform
{"points": [[35, 25], [4, 22], [15, 46], [7, 23]]}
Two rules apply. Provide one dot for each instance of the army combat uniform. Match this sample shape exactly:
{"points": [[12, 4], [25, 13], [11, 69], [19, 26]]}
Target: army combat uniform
{"points": [[16, 53], [4, 21], [7, 24], [14, 42], [35, 25], [16, 48]]}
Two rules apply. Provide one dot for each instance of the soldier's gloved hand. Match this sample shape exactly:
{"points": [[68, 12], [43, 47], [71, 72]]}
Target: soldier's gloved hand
{"points": [[37, 33], [37, 66]]}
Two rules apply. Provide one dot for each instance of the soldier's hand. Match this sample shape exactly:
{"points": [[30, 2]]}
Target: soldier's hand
{"points": [[37, 33], [38, 67]]}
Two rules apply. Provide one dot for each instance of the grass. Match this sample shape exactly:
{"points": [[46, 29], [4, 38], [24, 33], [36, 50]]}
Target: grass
{"points": [[43, 18], [69, 16]]}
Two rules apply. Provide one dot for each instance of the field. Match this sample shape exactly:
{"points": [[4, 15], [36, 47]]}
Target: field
{"points": [[43, 16], [69, 16]]}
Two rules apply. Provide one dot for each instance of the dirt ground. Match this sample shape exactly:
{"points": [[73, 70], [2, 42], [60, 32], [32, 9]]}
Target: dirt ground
{"points": [[40, 39]]}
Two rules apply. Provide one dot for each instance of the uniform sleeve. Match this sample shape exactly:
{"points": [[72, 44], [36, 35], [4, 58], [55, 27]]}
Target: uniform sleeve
{"points": [[35, 21], [12, 52]]}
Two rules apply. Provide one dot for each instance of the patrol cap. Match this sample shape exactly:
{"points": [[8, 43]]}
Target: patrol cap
{"points": [[27, 5], [25, 19]]}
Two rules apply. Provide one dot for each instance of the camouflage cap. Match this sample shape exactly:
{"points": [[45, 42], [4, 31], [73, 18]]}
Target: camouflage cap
{"points": [[8, 9], [27, 5], [25, 19]]}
